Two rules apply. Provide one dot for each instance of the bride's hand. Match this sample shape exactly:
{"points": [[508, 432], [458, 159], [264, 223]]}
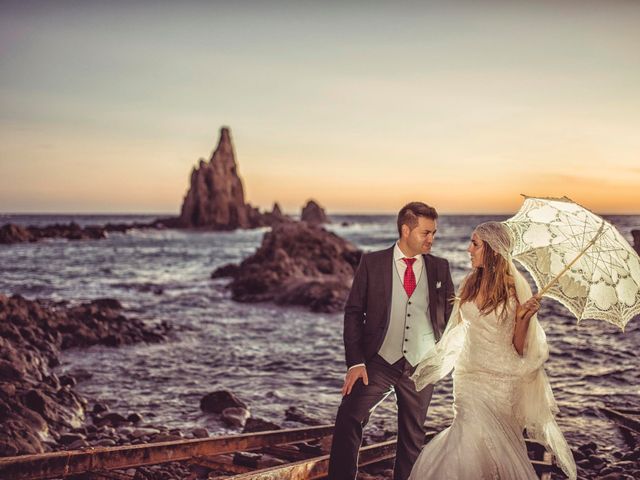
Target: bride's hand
{"points": [[352, 377], [528, 309]]}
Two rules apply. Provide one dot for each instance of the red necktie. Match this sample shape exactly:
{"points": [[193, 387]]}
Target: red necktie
{"points": [[409, 277]]}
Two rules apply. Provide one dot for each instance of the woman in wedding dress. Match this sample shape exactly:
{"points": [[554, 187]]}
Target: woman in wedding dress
{"points": [[496, 349]]}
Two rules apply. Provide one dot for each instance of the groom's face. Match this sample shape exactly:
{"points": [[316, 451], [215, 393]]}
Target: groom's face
{"points": [[420, 238]]}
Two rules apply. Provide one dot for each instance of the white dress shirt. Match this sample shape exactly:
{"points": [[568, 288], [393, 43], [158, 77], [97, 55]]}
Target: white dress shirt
{"points": [[401, 267]]}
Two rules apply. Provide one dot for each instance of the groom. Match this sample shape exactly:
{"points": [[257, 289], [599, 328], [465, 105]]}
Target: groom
{"points": [[397, 309]]}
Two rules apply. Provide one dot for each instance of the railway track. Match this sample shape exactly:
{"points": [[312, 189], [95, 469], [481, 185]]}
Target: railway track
{"points": [[297, 458]]}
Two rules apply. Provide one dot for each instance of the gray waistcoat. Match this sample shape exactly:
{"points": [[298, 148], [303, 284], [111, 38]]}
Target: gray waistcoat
{"points": [[410, 332]]}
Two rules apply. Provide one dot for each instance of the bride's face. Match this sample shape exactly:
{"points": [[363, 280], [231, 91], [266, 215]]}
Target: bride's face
{"points": [[476, 251]]}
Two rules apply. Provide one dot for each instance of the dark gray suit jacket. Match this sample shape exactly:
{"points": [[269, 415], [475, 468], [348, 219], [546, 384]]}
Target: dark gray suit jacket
{"points": [[368, 308]]}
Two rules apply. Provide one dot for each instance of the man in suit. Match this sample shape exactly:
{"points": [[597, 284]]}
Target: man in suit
{"points": [[397, 310]]}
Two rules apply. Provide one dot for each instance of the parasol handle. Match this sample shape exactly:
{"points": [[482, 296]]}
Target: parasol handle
{"points": [[565, 269]]}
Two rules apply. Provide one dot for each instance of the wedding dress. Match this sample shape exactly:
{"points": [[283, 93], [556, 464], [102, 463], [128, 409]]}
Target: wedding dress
{"points": [[497, 392], [485, 440]]}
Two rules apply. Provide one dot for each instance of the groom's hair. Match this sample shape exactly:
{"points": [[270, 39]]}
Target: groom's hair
{"points": [[408, 215]]}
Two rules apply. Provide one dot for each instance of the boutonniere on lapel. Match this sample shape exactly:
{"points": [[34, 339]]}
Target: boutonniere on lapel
{"points": [[438, 284]]}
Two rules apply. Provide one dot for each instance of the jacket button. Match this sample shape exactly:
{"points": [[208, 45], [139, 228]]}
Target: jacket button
{"points": [[409, 303], [406, 339], [407, 327], [408, 314], [404, 351]]}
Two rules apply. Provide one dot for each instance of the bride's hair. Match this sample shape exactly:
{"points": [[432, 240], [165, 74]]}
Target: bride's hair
{"points": [[492, 281]]}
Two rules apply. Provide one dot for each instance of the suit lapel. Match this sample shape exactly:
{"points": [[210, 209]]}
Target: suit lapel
{"points": [[432, 278], [388, 270]]}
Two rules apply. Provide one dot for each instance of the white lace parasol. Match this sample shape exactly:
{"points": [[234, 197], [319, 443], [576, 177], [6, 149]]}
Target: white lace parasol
{"points": [[577, 258]]}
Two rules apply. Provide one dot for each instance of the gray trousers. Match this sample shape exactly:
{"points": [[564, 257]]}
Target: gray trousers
{"points": [[353, 415]]}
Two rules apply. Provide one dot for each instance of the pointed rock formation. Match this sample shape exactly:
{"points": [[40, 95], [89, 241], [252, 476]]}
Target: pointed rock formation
{"points": [[636, 240], [313, 214], [216, 197]]}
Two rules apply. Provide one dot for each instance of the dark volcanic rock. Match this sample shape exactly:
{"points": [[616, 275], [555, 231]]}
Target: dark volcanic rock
{"points": [[275, 216], [215, 199], [216, 402], [294, 414], [229, 270], [216, 196], [258, 425], [36, 406], [298, 264], [313, 214], [11, 233]]}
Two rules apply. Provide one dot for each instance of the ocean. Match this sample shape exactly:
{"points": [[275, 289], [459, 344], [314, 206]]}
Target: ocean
{"points": [[270, 356]]}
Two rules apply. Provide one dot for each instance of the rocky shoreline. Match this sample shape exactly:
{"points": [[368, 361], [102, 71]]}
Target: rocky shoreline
{"points": [[41, 412], [37, 408]]}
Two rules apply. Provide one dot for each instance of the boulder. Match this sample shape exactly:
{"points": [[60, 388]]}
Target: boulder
{"points": [[216, 402], [313, 214], [295, 414], [298, 264], [259, 425], [200, 433]]}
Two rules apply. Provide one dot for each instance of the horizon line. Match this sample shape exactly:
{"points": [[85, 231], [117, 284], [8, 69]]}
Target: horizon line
{"points": [[343, 213]]}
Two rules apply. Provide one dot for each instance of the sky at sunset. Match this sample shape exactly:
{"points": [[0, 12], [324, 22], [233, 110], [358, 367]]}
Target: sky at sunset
{"points": [[362, 105]]}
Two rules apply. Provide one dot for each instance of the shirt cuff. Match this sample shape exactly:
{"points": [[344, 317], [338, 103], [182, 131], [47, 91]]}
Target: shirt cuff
{"points": [[356, 365]]}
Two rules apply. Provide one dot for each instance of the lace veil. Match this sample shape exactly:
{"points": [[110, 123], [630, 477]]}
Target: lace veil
{"points": [[536, 407]]}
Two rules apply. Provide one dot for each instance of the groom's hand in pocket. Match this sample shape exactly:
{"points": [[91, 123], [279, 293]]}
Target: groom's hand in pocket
{"points": [[352, 377]]}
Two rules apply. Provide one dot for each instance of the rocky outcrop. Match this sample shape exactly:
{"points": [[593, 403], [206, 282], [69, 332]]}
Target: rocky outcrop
{"points": [[636, 240], [37, 407], [215, 199], [276, 216], [313, 214], [11, 233], [216, 196], [297, 264]]}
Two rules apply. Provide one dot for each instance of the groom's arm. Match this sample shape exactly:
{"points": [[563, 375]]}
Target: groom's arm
{"points": [[355, 311]]}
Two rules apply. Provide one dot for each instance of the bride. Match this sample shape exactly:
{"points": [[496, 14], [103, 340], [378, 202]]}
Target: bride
{"points": [[496, 348]]}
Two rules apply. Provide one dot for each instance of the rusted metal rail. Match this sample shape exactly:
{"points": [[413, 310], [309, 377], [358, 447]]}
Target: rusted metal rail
{"points": [[104, 462], [60, 464], [317, 467]]}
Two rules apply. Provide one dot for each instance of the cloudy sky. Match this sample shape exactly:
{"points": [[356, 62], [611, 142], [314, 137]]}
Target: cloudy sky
{"points": [[363, 105]]}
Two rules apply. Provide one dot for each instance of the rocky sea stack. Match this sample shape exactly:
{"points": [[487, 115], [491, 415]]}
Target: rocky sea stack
{"points": [[215, 199]]}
